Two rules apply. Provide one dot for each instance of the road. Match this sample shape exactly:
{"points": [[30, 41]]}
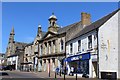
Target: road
{"points": [[17, 75], [11, 75]]}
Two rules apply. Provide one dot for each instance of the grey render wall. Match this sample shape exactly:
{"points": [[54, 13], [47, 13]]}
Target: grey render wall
{"points": [[119, 44], [108, 45]]}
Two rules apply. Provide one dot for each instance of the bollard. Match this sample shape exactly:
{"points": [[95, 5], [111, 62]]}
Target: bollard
{"points": [[64, 72], [76, 76], [60, 72], [55, 75], [49, 73]]}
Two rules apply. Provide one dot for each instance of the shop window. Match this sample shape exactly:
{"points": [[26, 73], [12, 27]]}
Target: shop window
{"points": [[79, 45], [80, 67], [71, 47], [90, 42]]}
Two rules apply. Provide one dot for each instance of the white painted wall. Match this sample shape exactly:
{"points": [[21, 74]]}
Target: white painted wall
{"points": [[84, 43], [84, 48], [108, 45], [118, 44], [11, 59]]}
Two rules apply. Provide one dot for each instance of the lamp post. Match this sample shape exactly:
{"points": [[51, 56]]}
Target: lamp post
{"points": [[48, 68], [60, 69]]}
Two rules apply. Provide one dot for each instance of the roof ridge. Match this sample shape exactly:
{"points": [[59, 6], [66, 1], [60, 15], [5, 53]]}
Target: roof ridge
{"points": [[95, 24], [21, 42], [71, 24]]}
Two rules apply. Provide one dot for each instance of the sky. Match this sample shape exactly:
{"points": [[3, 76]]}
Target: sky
{"points": [[26, 16]]}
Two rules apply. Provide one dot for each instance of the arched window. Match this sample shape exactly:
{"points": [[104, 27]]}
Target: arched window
{"points": [[26, 60]]}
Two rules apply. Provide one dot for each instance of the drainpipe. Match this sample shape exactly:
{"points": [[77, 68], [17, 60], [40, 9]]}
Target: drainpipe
{"points": [[37, 57], [97, 53], [65, 57]]}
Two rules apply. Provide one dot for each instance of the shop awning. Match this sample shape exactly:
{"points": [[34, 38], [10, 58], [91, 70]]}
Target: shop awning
{"points": [[26, 63], [83, 56]]}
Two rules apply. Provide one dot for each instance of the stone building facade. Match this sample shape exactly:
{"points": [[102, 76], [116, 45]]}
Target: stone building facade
{"points": [[32, 52], [52, 48], [49, 49], [2, 59], [14, 51]]}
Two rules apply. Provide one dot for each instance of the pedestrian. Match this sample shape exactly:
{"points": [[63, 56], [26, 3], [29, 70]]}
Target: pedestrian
{"points": [[57, 70], [72, 70]]}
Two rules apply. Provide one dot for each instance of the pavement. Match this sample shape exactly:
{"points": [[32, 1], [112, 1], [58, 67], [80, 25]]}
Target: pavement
{"points": [[41, 76], [45, 75]]}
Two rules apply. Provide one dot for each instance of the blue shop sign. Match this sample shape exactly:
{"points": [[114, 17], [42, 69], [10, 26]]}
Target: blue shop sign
{"points": [[78, 57]]}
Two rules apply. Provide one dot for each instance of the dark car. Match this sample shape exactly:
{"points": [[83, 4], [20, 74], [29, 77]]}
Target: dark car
{"points": [[9, 67]]}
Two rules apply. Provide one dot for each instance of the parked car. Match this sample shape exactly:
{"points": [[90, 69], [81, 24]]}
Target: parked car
{"points": [[1, 67], [9, 67]]}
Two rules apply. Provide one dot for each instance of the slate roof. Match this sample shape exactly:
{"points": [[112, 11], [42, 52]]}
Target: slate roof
{"points": [[19, 48], [2, 54], [71, 32], [94, 25], [64, 29], [43, 33], [20, 45], [29, 44]]}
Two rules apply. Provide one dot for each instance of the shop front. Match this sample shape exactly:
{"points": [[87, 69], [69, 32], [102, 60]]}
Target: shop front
{"points": [[78, 64]]}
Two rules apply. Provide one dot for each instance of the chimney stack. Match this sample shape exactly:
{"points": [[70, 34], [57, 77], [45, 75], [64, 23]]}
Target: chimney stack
{"points": [[85, 19]]}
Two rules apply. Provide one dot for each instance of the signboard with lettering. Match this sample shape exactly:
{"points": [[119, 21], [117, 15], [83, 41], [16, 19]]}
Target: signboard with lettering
{"points": [[78, 57]]}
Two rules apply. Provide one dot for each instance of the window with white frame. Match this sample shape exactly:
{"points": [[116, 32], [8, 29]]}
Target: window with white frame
{"points": [[95, 41], [61, 45], [71, 47], [90, 42], [79, 45]]}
